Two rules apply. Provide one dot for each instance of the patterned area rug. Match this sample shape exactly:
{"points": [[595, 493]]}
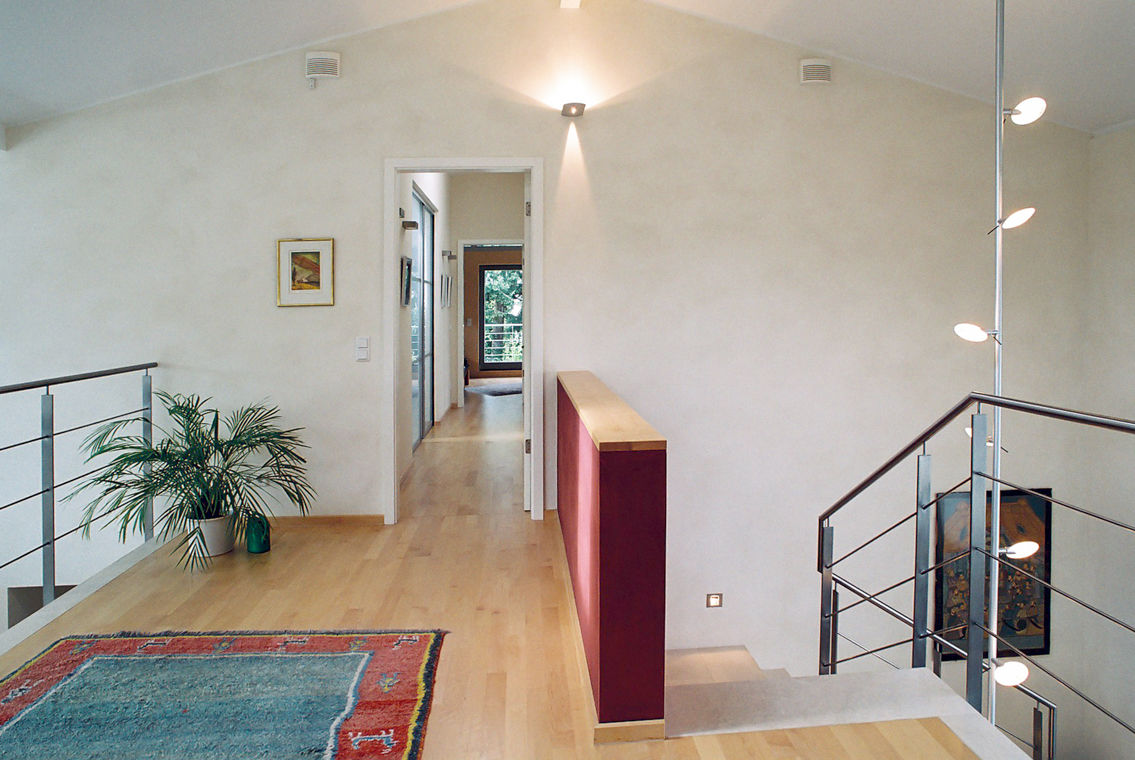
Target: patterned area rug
{"points": [[223, 696]]}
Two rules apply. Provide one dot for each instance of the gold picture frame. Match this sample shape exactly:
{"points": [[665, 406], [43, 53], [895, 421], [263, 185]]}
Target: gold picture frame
{"points": [[305, 272]]}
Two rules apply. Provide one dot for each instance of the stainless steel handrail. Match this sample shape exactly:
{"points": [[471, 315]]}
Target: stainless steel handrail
{"points": [[1043, 410], [27, 386]]}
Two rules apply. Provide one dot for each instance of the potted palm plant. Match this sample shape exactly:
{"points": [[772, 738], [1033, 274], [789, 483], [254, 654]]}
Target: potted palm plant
{"points": [[215, 473]]}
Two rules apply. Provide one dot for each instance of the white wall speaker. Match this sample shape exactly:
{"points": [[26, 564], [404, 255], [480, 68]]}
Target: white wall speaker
{"points": [[815, 71], [321, 64]]}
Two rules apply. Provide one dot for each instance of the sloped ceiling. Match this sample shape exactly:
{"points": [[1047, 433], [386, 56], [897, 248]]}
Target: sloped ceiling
{"points": [[58, 56]]}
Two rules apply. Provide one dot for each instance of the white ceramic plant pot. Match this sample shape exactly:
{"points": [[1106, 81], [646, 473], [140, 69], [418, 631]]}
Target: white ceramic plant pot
{"points": [[218, 538]]}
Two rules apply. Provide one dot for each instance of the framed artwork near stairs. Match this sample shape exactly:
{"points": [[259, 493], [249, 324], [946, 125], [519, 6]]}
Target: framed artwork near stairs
{"points": [[1025, 604]]}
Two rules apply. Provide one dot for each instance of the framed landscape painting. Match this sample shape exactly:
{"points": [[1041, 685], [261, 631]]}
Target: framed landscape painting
{"points": [[305, 272], [1025, 604]]}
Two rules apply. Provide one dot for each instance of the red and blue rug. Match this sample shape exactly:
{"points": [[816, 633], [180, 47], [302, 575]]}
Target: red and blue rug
{"points": [[342, 695]]}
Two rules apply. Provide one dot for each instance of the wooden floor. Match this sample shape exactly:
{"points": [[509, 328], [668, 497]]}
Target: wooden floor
{"points": [[463, 557]]}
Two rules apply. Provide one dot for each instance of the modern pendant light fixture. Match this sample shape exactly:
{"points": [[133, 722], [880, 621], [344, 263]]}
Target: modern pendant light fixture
{"points": [[1027, 111], [1017, 218], [971, 332], [1021, 550], [1012, 673]]}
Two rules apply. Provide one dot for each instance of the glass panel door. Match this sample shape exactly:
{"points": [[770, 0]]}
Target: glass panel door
{"points": [[421, 321], [502, 317]]}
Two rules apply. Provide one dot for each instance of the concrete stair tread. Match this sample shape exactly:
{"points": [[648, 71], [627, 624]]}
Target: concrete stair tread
{"points": [[714, 665], [778, 703]]}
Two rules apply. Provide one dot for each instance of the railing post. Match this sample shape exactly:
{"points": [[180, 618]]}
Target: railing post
{"points": [[1051, 732], [975, 614], [1038, 733], [827, 611], [148, 437], [47, 485], [921, 563]]}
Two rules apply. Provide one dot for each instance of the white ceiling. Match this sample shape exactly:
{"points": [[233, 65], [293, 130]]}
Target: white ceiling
{"points": [[58, 56]]}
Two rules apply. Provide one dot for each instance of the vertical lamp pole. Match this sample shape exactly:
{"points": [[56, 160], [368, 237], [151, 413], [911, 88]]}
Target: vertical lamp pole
{"points": [[998, 350]]}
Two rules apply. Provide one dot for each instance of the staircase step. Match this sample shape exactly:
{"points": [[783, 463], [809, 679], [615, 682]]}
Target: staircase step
{"points": [[711, 665], [778, 703]]}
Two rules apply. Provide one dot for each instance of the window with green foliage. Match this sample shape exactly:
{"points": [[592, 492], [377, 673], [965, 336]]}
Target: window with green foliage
{"points": [[502, 317]]}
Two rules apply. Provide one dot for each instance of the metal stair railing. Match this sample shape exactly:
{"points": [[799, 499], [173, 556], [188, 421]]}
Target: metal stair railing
{"points": [[47, 439], [976, 631]]}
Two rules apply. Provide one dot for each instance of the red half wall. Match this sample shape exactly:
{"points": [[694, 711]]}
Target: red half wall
{"points": [[612, 511]]}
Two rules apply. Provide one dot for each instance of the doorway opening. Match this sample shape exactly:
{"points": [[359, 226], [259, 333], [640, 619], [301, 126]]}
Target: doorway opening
{"points": [[512, 338]]}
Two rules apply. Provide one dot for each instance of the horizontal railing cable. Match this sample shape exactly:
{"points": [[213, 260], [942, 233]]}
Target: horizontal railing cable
{"points": [[876, 595], [872, 540], [1058, 502], [1004, 730], [874, 651], [27, 386], [35, 549], [868, 598], [24, 498], [853, 642], [98, 422], [29, 551], [957, 487], [1060, 591], [23, 443], [77, 478], [1058, 679], [945, 562], [909, 517]]}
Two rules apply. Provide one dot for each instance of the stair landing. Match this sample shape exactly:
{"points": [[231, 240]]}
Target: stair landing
{"points": [[722, 690]]}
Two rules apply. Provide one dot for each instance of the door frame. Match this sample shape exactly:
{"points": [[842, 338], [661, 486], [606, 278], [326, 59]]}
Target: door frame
{"points": [[535, 391], [461, 245]]}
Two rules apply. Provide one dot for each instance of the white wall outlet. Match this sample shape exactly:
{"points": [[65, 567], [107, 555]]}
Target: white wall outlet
{"points": [[714, 600], [362, 349]]}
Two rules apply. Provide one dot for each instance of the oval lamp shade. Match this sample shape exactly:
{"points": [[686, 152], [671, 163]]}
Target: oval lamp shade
{"points": [[971, 332], [1022, 549], [1028, 111], [1011, 673], [1017, 218]]}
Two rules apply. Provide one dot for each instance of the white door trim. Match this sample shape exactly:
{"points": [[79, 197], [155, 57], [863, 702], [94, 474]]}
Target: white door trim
{"points": [[535, 385]]}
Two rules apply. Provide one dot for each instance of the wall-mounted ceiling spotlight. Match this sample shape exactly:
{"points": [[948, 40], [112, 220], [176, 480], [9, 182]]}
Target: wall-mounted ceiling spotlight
{"points": [[572, 109], [1027, 111]]}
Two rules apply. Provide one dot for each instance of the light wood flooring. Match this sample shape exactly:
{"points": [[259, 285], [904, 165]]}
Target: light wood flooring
{"points": [[463, 557]]}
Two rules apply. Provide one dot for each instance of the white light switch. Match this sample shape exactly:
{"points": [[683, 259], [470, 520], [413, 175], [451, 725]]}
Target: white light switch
{"points": [[362, 349]]}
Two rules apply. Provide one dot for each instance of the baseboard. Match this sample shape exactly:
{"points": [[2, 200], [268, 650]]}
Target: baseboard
{"points": [[630, 731], [376, 521], [45, 615]]}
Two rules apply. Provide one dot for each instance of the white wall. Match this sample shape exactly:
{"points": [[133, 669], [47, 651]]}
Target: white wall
{"points": [[487, 206], [767, 272], [1107, 459]]}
